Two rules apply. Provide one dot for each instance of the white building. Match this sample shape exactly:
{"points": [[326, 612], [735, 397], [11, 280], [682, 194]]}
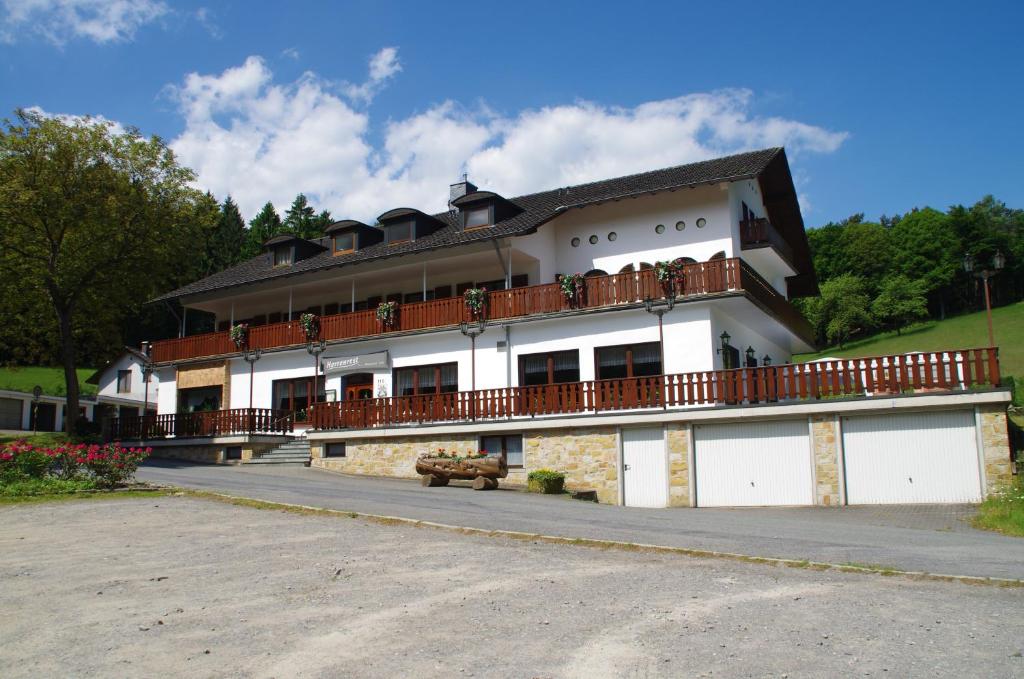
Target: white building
{"points": [[562, 365]]}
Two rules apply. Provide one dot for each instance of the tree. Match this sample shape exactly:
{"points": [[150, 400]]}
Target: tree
{"points": [[301, 219], [264, 226], [840, 310], [925, 249], [900, 301], [226, 246], [93, 218]]}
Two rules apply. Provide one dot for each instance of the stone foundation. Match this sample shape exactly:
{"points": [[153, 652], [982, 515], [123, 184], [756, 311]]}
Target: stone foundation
{"points": [[825, 451], [211, 453], [678, 438], [388, 456], [995, 447], [588, 457]]}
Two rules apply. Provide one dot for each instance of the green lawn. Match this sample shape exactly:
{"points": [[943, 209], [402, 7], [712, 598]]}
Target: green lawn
{"points": [[960, 332], [50, 379]]}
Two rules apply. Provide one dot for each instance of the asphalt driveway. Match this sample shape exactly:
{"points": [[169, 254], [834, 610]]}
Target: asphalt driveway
{"points": [[934, 538]]}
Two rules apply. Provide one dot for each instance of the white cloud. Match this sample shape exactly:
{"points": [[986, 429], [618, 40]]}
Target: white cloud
{"points": [[259, 140], [206, 19], [59, 21], [71, 119], [291, 53], [383, 66]]}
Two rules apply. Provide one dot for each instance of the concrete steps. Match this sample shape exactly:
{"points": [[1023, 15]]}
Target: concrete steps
{"points": [[294, 452]]}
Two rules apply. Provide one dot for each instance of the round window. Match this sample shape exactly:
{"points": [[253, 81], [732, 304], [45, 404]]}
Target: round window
{"points": [[612, 236], [680, 225], [575, 242], [593, 240], [701, 222], [660, 228]]}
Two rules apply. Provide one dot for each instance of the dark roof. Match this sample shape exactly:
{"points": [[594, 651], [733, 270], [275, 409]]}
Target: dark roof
{"points": [[537, 208], [129, 351], [346, 224]]}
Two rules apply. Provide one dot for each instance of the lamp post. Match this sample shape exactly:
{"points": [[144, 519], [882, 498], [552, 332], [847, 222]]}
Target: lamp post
{"points": [[315, 349], [147, 370], [37, 391], [998, 262], [766, 360], [751, 361], [250, 356], [659, 310], [472, 331]]}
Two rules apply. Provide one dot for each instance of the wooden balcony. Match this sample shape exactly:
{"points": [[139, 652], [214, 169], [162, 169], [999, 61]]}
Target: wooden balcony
{"points": [[878, 376], [201, 424], [701, 278], [759, 233]]}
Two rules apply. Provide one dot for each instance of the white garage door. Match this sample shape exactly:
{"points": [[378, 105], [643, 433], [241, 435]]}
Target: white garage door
{"points": [[10, 413], [753, 464], [644, 467], [911, 458]]}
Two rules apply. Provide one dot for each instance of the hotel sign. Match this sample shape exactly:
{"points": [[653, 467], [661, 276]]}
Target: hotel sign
{"points": [[339, 365]]}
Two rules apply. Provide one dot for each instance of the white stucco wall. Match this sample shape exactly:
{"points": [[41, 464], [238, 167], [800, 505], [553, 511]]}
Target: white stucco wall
{"points": [[108, 380]]}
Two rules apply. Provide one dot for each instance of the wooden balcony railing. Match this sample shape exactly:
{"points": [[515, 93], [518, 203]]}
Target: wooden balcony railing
{"points": [[701, 278], [201, 424], [756, 233], [866, 377]]}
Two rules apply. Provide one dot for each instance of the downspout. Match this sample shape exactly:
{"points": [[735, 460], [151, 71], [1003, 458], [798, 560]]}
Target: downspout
{"points": [[501, 260]]}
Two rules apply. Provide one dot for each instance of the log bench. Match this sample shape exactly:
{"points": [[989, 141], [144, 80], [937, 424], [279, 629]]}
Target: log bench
{"points": [[484, 472]]}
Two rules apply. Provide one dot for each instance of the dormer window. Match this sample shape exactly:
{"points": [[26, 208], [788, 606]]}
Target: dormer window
{"points": [[400, 232], [284, 255], [478, 216], [344, 243]]}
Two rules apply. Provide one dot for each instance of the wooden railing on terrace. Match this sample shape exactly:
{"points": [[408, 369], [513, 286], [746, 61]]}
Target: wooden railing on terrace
{"points": [[701, 278], [867, 377], [759, 232], [201, 424]]}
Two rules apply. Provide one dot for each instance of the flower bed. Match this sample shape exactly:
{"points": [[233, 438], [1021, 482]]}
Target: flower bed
{"points": [[67, 467]]}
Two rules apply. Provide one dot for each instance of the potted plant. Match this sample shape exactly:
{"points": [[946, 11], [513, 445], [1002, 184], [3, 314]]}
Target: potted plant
{"points": [[310, 325], [573, 286], [387, 313], [666, 273], [476, 302], [546, 481], [239, 334]]}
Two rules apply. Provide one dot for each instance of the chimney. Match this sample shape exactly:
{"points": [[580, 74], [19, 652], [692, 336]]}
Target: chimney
{"points": [[460, 189], [145, 348]]}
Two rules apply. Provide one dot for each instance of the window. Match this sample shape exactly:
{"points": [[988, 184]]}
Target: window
{"points": [[124, 381], [660, 228], [233, 453], [613, 236], [555, 367], [680, 225], [629, 360], [575, 242], [400, 233], [478, 216], [335, 449], [509, 446], [283, 255], [701, 222], [593, 239], [427, 379], [295, 396], [344, 242]]}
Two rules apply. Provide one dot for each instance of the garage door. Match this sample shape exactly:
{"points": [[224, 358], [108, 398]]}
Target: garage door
{"points": [[753, 464], [911, 458], [644, 467], [10, 413]]}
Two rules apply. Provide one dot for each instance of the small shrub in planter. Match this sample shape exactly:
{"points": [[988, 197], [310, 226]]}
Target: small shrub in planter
{"points": [[239, 334], [310, 326], [545, 481]]}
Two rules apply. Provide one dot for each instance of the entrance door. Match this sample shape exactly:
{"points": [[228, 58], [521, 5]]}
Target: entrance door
{"points": [[753, 464], [644, 467], [43, 417], [358, 386], [911, 458]]}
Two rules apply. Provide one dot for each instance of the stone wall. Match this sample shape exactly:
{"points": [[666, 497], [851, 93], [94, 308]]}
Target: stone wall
{"points": [[678, 437], [825, 452], [388, 456], [995, 446], [211, 453], [588, 456]]}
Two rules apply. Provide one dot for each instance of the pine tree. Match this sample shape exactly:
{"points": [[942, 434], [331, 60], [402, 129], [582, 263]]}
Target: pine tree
{"points": [[302, 220], [264, 226], [226, 246]]}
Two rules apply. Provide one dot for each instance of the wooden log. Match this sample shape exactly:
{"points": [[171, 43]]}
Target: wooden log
{"points": [[430, 480], [466, 469], [484, 483]]}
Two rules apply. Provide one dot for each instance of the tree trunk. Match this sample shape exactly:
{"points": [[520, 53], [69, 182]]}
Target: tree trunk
{"points": [[67, 350]]}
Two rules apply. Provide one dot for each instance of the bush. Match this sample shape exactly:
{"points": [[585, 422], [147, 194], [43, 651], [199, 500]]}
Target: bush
{"points": [[545, 481], [47, 486], [24, 466]]}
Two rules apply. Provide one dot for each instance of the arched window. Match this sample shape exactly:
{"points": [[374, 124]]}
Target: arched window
{"points": [[645, 265], [688, 260], [718, 255], [627, 269], [595, 272]]}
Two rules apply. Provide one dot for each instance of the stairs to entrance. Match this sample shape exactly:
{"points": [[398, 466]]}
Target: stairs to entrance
{"points": [[295, 452]]}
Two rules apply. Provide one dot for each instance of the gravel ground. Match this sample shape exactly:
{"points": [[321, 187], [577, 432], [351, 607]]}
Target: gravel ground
{"points": [[175, 586]]}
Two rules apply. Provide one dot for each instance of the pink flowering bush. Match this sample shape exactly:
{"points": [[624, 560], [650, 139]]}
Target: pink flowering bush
{"points": [[107, 466]]}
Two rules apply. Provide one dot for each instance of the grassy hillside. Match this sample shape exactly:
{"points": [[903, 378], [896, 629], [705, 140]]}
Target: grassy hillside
{"points": [[50, 379], [961, 332]]}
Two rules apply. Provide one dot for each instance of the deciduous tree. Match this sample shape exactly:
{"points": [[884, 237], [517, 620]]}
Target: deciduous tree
{"points": [[900, 301]]}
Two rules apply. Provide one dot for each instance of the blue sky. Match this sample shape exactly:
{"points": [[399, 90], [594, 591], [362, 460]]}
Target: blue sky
{"points": [[368, 105]]}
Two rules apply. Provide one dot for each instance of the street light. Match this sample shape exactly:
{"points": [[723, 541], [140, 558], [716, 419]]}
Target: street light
{"points": [[472, 331], [315, 349], [660, 309], [147, 371], [250, 356], [750, 356], [37, 391], [766, 360], [998, 262]]}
